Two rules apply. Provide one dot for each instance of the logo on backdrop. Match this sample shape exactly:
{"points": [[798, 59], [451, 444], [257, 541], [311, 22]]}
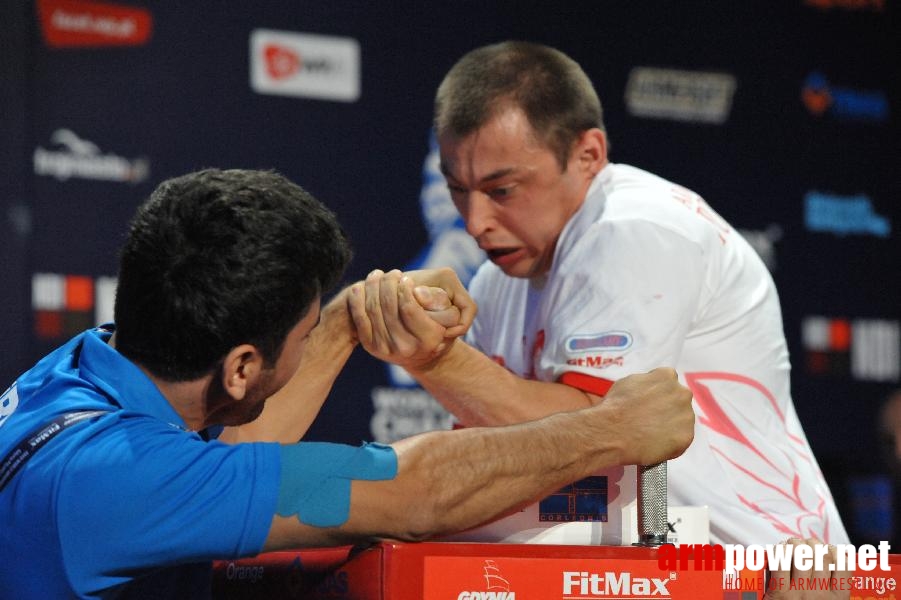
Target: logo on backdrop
{"points": [[66, 305], [843, 215], [823, 99], [865, 349], [691, 96], [850, 5], [76, 23], [402, 412], [306, 65], [79, 158]]}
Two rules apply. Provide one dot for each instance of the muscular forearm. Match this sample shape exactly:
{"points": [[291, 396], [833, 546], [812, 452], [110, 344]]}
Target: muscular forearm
{"points": [[289, 413], [448, 481], [476, 475], [451, 481], [479, 391]]}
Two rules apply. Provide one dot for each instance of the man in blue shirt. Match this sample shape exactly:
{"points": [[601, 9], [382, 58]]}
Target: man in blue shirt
{"points": [[111, 484]]}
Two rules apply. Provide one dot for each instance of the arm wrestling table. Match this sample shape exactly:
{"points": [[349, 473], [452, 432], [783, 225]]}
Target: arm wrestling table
{"points": [[466, 571]]}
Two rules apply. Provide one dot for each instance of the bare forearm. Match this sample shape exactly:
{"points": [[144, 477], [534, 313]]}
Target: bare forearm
{"points": [[449, 481], [484, 473], [479, 391]]}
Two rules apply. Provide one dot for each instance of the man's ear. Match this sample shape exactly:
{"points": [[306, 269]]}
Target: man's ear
{"points": [[591, 151], [241, 369]]}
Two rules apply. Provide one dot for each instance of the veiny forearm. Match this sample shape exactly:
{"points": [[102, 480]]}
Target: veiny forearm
{"points": [[449, 481], [480, 392], [478, 474]]}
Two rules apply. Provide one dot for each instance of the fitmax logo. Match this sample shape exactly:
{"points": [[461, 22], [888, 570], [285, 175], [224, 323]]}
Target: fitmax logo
{"points": [[583, 583]]}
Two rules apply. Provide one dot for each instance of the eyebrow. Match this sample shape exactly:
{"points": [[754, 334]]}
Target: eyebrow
{"points": [[500, 173]]}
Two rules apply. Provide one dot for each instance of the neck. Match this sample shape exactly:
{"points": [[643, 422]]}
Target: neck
{"points": [[187, 398]]}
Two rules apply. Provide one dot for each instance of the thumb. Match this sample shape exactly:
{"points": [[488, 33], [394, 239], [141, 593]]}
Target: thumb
{"points": [[431, 298]]}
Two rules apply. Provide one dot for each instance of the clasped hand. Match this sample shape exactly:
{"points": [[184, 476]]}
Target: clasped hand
{"points": [[412, 318]]}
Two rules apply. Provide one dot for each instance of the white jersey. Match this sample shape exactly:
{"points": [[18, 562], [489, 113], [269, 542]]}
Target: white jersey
{"points": [[644, 275]]}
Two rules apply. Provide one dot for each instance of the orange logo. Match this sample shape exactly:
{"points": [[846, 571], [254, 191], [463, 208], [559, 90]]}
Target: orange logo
{"points": [[816, 101]]}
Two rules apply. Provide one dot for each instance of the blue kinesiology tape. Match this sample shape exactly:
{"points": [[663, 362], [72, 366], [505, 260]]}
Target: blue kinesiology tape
{"points": [[316, 477]]}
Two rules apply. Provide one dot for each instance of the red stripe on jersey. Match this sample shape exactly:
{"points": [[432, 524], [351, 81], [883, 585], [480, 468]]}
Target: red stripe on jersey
{"points": [[586, 383]]}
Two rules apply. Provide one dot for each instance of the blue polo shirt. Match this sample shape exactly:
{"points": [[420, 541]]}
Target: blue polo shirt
{"points": [[99, 509]]}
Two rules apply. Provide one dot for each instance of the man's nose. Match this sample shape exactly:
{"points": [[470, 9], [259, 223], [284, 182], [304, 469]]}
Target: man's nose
{"points": [[479, 215]]}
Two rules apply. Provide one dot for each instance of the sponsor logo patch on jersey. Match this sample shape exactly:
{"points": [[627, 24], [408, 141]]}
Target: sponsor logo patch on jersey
{"points": [[595, 342], [595, 361]]}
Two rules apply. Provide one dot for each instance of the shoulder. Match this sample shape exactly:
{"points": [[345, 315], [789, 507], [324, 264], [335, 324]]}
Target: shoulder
{"points": [[148, 464], [639, 200]]}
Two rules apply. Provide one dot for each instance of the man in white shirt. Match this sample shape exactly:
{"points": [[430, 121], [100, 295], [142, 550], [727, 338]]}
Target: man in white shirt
{"points": [[597, 270]]}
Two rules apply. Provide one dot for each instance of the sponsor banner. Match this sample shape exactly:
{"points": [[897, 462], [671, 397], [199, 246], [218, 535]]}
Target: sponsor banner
{"points": [[77, 23], [821, 98], [583, 500], [66, 305], [306, 65], [75, 157], [844, 215], [692, 96], [865, 349], [480, 578]]}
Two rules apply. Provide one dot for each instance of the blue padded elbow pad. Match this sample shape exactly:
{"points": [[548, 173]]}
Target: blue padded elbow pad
{"points": [[316, 477]]}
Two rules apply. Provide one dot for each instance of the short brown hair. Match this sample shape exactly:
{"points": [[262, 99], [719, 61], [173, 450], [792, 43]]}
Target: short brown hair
{"points": [[551, 89]]}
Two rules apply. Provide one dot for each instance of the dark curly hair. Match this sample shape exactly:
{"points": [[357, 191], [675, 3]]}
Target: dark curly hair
{"points": [[216, 258]]}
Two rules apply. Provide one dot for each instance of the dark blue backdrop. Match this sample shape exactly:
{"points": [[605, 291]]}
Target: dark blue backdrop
{"points": [[805, 159]]}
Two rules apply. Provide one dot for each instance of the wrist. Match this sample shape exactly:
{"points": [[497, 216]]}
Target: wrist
{"points": [[336, 323], [441, 356]]}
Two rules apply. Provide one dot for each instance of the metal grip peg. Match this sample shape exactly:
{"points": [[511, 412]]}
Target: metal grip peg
{"points": [[652, 505]]}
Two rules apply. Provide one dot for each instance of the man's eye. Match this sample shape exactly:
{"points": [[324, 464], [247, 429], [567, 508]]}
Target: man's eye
{"points": [[500, 192]]}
